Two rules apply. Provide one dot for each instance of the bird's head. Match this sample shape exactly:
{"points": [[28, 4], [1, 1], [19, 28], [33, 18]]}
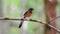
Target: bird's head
{"points": [[30, 9]]}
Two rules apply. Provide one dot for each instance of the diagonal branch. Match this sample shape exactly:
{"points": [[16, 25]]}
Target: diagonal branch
{"points": [[35, 21], [54, 19]]}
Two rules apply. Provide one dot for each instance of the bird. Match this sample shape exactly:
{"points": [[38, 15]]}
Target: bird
{"points": [[27, 14]]}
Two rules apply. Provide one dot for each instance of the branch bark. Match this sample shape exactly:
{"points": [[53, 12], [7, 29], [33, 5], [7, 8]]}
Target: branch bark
{"points": [[54, 28]]}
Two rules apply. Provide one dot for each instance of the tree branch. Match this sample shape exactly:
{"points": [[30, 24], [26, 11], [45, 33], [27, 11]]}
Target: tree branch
{"points": [[35, 21]]}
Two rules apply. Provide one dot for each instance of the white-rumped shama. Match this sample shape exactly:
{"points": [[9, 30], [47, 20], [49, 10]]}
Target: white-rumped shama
{"points": [[27, 14]]}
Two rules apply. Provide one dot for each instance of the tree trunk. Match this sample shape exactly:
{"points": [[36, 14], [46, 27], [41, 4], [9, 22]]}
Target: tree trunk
{"points": [[50, 6]]}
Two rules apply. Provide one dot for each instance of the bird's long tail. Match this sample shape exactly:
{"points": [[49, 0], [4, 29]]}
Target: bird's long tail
{"points": [[20, 25]]}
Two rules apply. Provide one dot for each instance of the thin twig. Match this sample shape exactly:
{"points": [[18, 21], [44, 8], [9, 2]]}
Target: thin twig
{"points": [[54, 19]]}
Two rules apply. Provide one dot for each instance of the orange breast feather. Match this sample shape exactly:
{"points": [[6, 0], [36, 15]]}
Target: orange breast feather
{"points": [[27, 14]]}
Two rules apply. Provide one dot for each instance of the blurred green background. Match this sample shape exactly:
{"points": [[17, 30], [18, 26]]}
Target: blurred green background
{"points": [[16, 9]]}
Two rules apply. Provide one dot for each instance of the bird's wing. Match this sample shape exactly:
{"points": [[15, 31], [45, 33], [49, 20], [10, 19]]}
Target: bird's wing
{"points": [[25, 12]]}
